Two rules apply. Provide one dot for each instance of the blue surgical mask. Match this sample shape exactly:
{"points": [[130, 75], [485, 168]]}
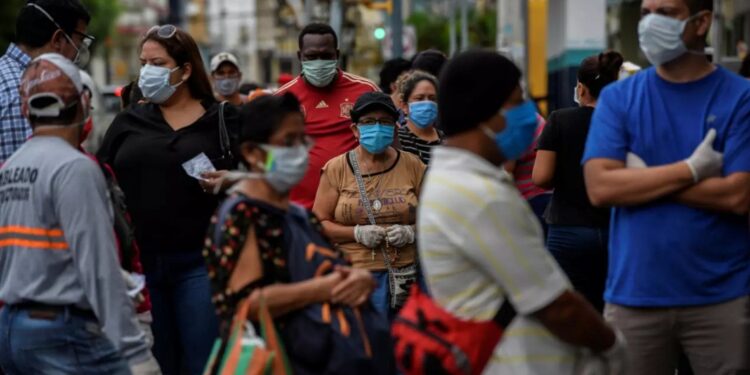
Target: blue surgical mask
{"points": [[375, 138], [423, 113], [319, 73], [520, 126], [154, 83], [660, 38]]}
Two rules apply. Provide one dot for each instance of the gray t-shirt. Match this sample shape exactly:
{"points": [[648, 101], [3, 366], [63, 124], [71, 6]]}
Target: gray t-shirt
{"points": [[57, 245]]}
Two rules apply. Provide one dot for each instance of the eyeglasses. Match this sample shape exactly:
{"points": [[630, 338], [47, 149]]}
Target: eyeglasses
{"points": [[86, 39], [163, 31], [373, 121]]}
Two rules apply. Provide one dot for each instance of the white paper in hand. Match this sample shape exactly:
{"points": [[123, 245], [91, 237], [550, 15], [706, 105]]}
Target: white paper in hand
{"points": [[198, 165]]}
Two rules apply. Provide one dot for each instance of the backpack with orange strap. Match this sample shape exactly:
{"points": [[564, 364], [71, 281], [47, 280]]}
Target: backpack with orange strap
{"points": [[323, 338]]}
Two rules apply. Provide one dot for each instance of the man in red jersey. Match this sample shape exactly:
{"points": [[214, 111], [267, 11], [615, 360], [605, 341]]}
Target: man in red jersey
{"points": [[327, 94]]}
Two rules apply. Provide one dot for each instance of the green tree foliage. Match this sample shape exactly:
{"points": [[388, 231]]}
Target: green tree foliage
{"points": [[103, 16], [433, 32], [8, 13]]}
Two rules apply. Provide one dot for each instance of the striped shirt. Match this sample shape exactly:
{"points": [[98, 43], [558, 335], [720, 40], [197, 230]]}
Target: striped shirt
{"points": [[525, 166], [480, 243], [415, 145], [14, 128]]}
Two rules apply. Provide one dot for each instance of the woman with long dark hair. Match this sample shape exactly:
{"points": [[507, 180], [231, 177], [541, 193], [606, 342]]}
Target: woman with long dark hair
{"points": [[163, 152], [578, 231]]}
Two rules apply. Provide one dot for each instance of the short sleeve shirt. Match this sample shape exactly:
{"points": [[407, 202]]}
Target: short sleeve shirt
{"points": [[665, 253], [327, 121], [525, 166], [565, 135], [480, 243], [397, 191]]}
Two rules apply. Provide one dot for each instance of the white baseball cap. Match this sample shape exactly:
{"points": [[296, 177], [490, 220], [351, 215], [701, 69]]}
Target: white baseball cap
{"points": [[50, 84], [221, 58]]}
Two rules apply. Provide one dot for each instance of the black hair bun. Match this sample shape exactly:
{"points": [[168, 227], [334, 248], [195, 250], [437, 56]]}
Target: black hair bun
{"points": [[610, 63]]}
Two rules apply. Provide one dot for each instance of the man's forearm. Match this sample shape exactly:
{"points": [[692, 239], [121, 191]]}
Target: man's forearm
{"points": [[571, 319], [725, 194], [608, 183]]}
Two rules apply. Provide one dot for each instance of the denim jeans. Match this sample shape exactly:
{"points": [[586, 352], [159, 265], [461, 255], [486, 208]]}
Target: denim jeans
{"points": [[582, 254], [185, 324], [65, 344], [381, 295], [539, 205]]}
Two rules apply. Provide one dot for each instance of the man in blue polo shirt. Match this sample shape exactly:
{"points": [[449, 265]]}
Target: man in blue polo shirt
{"points": [[679, 270]]}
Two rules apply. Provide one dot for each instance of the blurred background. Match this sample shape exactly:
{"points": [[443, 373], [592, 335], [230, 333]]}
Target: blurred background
{"points": [[547, 38]]}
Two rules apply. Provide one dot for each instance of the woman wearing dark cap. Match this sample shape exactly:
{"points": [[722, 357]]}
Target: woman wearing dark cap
{"points": [[258, 241], [374, 227], [419, 103], [147, 145], [578, 231]]}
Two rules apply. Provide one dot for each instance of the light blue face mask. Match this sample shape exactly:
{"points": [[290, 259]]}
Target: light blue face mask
{"points": [[283, 170], [375, 138], [154, 83], [520, 126], [423, 113], [227, 86], [319, 73]]}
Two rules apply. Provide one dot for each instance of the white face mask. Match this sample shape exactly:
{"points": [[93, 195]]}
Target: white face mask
{"points": [[660, 38], [154, 83], [576, 96]]}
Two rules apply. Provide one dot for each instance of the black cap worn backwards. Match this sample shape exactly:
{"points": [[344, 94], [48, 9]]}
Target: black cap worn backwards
{"points": [[371, 101]]}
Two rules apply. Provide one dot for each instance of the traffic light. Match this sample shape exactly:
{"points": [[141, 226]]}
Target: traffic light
{"points": [[379, 33]]}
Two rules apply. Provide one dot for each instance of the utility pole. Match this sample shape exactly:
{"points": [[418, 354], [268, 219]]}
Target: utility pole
{"points": [[716, 32], [452, 26], [175, 13], [511, 30], [397, 29], [337, 17], [309, 9], [223, 21], [464, 25]]}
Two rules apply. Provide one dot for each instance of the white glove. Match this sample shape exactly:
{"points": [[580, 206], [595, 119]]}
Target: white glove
{"points": [[590, 364], [705, 161], [616, 357], [400, 235], [147, 367], [134, 287], [634, 161], [369, 235]]}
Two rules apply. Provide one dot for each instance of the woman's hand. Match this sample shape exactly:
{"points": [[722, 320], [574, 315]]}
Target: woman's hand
{"points": [[400, 235], [369, 235], [355, 288], [214, 182], [327, 284]]}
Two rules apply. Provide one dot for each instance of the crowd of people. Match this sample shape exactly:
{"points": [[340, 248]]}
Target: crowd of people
{"points": [[434, 223]]}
